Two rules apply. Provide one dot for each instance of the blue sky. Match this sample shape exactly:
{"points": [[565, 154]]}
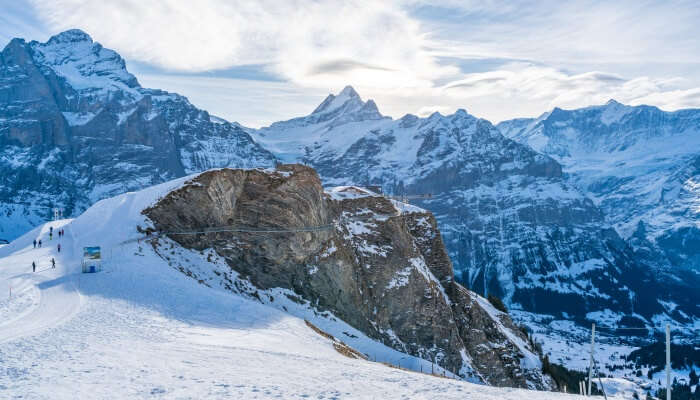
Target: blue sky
{"points": [[258, 61]]}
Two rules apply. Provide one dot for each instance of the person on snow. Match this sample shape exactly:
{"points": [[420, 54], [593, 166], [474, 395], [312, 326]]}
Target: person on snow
{"points": [[39, 242], [50, 229], [53, 263], [33, 266], [59, 247], [35, 243]]}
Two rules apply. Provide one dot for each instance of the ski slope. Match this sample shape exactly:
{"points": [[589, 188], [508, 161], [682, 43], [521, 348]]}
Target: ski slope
{"points": [[142, 329], [43, 299]]}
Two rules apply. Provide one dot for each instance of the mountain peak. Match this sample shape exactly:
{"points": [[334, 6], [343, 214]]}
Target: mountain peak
{"points": [[612, 102], [333, 102], [348, 91], [71, 36]]}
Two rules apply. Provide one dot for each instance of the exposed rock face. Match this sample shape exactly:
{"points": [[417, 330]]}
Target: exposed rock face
{"points": [[76, 127], [639, 163], [641, 167], [379, 265]]}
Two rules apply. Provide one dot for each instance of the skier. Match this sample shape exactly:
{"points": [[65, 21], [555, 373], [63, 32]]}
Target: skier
{"points": [[39, 242], [59, 247], [33, 266], [53, 263], [35, 243]]}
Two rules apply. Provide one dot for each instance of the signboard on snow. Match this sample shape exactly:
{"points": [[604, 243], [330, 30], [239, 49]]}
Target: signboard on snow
{"points": [[92, 259], [91, 253]]}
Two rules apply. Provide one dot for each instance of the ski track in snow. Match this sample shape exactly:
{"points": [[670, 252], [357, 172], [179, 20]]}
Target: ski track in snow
{"points": [[141, 329], [58, 297]]}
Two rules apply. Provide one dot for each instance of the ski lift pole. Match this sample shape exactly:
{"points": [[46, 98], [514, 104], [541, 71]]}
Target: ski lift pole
{"points": [[602, 388], [590, 367], [668, 362]]}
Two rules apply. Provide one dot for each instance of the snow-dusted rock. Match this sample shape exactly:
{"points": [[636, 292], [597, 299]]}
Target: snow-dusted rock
{"points": [[381, 269]]}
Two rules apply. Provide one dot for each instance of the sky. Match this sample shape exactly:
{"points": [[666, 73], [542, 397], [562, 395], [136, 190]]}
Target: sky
{"points": [[260, 61]]}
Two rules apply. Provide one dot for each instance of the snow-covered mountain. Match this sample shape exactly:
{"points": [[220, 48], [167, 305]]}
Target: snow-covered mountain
{"points": [[640, 164], [76, 126], [512, 222]]}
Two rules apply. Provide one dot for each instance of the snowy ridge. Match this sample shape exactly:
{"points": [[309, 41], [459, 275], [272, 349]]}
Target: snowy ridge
{"points": [[637, 163], [87, 66]]}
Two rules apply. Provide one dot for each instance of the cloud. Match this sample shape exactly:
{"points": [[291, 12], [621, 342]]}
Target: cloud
{"points": [[498, 60], [522, 85], [343, 66], [570, 32], [316, 44]]}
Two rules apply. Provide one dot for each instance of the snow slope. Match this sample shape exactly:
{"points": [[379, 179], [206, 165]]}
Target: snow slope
{"points": [[140, 328]]}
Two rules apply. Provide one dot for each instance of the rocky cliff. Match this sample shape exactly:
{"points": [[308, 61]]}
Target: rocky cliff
{"points": [[379, 265], [76, 127]]}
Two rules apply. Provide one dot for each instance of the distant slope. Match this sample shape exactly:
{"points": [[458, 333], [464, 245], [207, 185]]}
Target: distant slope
{"points": [[640, 164]]}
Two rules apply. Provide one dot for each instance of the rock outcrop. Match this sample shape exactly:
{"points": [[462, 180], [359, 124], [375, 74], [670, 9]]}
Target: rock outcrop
{"points": [[379, 265]]}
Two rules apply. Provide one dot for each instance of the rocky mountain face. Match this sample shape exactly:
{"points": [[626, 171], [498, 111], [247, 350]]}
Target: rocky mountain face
{"points": [[76, 126], [640, 165], [377, 264], [513, 224]]}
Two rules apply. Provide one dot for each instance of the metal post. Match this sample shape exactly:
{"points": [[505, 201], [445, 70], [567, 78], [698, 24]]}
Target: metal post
{"points": [[590, 368], [668, 362]]}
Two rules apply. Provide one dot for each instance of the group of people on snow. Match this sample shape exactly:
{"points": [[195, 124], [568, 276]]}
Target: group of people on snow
{"points": [[61, 232]]}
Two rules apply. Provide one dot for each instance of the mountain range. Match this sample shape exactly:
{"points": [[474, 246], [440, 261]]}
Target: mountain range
{"points": [[576, 214]]}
